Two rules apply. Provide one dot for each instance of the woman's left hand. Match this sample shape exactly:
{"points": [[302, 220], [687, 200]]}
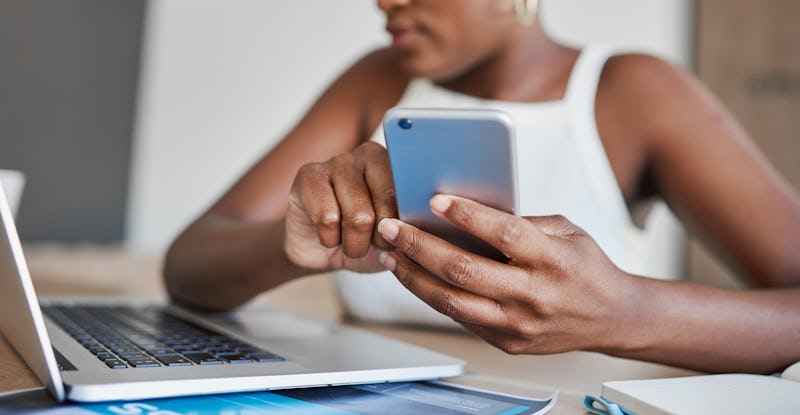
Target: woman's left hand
{"points": [[558, 292]]}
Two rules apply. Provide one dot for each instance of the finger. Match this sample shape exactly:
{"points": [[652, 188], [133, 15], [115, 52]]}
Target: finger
{"points": [[355, 203], [515, 237], [315, 193], [452, 265], [378, 175], [451, 301]]}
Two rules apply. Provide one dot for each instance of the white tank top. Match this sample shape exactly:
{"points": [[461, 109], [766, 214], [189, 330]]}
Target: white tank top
{"points": [[562, 169]]}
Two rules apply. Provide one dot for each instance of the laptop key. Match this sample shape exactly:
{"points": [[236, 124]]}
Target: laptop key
{"points": [[132, 357], [165, 354], [203, 358], [184, 346], [250, 350], [174, 360], [144, 363], [154, 350], [265, 357], [123, 350], [237, 359], [126, 352], [115, 364]]}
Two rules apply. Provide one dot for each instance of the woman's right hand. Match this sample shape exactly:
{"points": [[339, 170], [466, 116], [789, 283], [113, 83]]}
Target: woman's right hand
{"points": [[334, 208]]}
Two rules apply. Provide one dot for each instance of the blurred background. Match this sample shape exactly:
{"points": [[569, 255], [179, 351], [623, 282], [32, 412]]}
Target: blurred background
{"points": [[130, 117]]}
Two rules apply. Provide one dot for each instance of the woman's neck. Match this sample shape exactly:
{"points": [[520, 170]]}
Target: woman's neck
{"points": [[530, 68]]}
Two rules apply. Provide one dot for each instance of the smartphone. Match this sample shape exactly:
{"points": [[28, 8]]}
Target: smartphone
{"points": [[468, 153]]}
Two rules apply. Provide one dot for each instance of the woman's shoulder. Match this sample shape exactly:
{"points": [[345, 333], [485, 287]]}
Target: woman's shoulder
{"points": [[381, 59], [378, 71], [644, 77], [648, 88]]}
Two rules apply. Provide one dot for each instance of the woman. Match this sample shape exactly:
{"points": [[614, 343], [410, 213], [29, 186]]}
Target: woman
{"points": [[617, 130]]}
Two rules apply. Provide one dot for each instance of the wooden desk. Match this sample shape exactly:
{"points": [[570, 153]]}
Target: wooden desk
{"points": [[114, 270]]}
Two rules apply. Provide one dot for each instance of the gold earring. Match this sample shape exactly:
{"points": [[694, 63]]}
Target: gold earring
{"points": [[526, 11]]}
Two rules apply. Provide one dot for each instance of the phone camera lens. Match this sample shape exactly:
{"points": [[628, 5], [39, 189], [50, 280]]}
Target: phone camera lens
{"points": [[404, 123]]}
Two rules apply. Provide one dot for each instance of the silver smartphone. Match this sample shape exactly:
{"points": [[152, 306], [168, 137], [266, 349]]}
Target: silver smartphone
{"points": [[467, 153]]}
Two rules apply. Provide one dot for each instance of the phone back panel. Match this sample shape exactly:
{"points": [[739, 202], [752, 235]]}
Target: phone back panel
{"points": [[467, 153]]}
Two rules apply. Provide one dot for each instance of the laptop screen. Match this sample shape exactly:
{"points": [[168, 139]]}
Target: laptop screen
{"points": [[20, 316]]}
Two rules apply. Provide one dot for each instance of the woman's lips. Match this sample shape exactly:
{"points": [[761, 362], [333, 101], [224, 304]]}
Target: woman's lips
{"points": [[402, 37]]}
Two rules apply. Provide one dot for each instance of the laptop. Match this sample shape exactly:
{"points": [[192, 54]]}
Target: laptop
{"points": [[99, 349]]}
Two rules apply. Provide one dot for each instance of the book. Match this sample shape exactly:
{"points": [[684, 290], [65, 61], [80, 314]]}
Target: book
{"points": [[723, 394]]}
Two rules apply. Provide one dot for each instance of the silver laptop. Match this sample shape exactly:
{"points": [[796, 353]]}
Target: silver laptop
{"points": [[99, 349]]}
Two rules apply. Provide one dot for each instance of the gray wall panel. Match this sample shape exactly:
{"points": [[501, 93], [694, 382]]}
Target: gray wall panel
{"points": [[68, 75]]}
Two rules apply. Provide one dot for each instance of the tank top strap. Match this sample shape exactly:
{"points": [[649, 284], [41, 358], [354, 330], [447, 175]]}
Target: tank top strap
{"points": [[585, 76], [580, 99]]}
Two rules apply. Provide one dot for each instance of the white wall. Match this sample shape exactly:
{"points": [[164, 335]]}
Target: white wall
{"points": [[223, 80]]}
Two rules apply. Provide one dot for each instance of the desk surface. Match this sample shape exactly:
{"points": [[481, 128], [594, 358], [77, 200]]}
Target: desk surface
{"points": [[99, 270]]}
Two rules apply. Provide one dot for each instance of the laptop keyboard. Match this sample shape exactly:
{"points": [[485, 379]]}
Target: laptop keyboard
{"points": [[127, 337]]}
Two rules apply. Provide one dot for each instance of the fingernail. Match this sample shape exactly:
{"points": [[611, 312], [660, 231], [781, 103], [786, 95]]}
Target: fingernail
{"points": [[440, 203], [387, 261], [388, 229]]}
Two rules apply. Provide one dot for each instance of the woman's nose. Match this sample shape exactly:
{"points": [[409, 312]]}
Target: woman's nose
{"points": [[388, 5]]}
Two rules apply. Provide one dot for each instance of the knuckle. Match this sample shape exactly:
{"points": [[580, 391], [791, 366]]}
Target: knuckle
{"points": [[306, 169], [547, 305], [311, 171], [510, 232], [522, 327], [461, 271], [370, 147], [559, 223], [344, 159], [467, 215], [565, 227], [410, 243], [327, 219], [360, 221], [511, 346], [446, 304], [579, 234]]}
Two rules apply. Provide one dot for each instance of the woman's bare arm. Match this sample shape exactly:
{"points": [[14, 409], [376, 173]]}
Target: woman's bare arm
{"points": [[235, 249], [702, 162]]}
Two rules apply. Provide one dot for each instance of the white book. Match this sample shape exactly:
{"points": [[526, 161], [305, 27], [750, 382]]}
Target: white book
{"points": [[710, 394]]}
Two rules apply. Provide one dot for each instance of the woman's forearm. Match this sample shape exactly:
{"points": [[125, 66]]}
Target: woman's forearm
{"points": [[218, 263], [712, 329]]}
